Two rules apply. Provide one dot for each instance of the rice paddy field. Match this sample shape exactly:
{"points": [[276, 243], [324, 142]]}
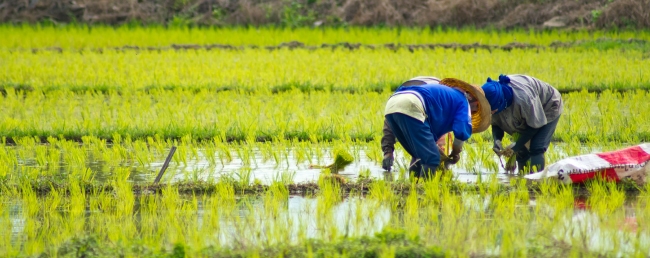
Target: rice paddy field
{"points": [[88, 116]]}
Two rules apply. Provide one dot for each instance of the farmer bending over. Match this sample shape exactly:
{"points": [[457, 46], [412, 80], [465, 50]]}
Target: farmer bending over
{"points": [[422, 110], [525, 105]]}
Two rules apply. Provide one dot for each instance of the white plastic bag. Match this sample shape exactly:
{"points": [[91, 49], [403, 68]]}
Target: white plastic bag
{"points": [[614, 165]]}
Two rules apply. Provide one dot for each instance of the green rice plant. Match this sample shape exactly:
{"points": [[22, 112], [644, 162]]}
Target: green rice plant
{"points": [[194, 175], [330, 188], [433, 189], [342, 158], [250, 148], [275, 198], [575, 124], [180, 156], [411, 212], [8, 159], [120, 174], [157, 144], [284, 177], [73, 154], [244, 156], [326, 72], [605, 197], [266, 151], [77, 200], [299, 152], [124, 197], [41, 155], [225, 155], [31, 205], [210, 153], [52, 201], [372, 152], [82, 174], [25, 148], [244, 177], [380, 190], [141, 153]]}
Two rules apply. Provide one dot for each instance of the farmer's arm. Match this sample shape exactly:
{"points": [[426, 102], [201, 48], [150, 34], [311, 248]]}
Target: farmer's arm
{"points": [[497, 133], [524, 137], [388, 140], [462, 128]]}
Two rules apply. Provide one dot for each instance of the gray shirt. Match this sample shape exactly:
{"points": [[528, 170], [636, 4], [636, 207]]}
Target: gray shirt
{"points": [[535, 103]]}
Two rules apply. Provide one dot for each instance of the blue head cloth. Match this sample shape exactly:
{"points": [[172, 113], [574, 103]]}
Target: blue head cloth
{"points": [[498, 93]]}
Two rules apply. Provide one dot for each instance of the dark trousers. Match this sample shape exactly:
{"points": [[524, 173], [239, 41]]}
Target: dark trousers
{"points": [[538, 145], [417, 139]]}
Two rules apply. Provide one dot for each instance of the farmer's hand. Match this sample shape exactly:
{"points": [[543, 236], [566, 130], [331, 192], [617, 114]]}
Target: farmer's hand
{"points": [[453, 159], [454, 156], [508, 152], [387, 163], [501, 151], [498, 148]]}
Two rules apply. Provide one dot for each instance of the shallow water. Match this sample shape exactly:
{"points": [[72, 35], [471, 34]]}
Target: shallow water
{"points": [[257, 165], [268, 171]]}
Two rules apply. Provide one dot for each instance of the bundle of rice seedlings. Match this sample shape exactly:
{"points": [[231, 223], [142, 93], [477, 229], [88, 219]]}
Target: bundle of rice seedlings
{"points": [[444, 157], [511, 162], [342, 158]]}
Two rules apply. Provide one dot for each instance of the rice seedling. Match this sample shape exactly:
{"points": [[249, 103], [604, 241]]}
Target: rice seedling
{"points": [[573, 127], [605, 197], [342, 158], [381, 191], [327, 72]]}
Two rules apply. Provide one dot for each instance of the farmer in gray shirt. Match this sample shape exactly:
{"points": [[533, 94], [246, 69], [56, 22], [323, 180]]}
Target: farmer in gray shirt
{"points": [[525, 105]]}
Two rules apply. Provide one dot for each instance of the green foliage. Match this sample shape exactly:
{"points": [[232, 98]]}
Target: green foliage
{"points": [[296, 15], [342, 158]]}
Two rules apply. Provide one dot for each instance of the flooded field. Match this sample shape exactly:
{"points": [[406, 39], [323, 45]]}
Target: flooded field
{"points": [[88, 117], [96, 200], [251, 164], [262, 169]]}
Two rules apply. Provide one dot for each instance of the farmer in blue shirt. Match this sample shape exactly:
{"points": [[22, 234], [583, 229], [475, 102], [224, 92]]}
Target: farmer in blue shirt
{"points": [[422, 110]]}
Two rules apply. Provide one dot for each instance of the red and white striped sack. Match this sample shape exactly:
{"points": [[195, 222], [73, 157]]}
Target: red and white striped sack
{"points": [[630, 162]]}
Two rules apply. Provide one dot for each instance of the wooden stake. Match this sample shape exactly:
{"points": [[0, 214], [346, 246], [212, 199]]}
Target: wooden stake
{"points": [[165, 165]]}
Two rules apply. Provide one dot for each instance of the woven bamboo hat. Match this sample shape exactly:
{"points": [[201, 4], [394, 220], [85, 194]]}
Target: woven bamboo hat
{"points": [[482, 118]]}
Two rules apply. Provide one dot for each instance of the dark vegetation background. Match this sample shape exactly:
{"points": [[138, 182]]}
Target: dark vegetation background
{"points": [[597, 14]]}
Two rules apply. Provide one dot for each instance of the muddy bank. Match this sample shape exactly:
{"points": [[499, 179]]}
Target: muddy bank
{"points": [[361, 187], [292, 13], [292, 45], [299, 45]]}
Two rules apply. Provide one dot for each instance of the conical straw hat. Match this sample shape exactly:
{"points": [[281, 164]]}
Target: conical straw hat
{"points": [[482, 118]]}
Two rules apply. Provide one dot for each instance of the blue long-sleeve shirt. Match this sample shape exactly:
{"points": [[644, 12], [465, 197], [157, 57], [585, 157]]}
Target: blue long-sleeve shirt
{"points": [[446, 108]]}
